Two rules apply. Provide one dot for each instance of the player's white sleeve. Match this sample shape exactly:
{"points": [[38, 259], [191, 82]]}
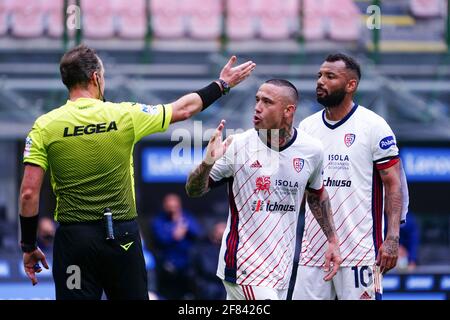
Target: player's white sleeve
{"points": [[315, 181], [384, 144], [405, 194], [302, 126], [224, 167]]}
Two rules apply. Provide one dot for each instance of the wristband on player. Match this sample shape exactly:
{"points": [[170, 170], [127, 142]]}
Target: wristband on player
{"points": [[209, 94], [28, 228]]}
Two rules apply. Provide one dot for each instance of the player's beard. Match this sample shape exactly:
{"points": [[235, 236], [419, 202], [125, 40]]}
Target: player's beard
{"points": [[333, 99]]}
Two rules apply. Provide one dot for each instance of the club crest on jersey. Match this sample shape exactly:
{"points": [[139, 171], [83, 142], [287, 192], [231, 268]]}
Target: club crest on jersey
{"points": [[262, 184], [349, 138], [298, 164]]}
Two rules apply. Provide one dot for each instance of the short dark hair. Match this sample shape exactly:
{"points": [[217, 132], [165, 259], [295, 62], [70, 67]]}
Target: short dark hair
{"points": [[350, 63], [77, 66], [284, 83]]}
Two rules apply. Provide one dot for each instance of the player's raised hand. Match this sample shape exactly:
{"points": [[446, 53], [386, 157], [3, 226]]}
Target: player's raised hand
{"points": [[216, 147], [235, 75], [332, 260]]}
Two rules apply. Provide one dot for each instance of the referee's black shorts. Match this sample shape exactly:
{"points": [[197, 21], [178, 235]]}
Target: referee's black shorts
{"points": [[85, 264]]}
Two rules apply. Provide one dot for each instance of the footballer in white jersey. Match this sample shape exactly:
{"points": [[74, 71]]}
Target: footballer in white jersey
{"points": [[354, 149], [265, 190], [358, 146]]}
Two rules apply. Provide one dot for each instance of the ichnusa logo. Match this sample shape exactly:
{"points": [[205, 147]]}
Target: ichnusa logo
{"points": [[387, 142], [267, 206], [257, 205]]}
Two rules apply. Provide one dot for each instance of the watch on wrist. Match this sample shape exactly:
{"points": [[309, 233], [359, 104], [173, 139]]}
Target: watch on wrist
{"points": [[28, 247], [225, 86]]}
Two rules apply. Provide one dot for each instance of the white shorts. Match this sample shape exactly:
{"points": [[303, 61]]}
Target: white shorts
{"points": [[238, 292], [349, 283]]}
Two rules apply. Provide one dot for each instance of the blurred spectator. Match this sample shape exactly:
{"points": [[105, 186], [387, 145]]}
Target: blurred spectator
{"points": [[206, 285], [46, 234], [174, 231], [409, 243]]}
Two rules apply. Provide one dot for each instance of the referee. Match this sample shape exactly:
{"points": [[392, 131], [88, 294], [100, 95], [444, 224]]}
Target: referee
{"points": [[87, 144]]}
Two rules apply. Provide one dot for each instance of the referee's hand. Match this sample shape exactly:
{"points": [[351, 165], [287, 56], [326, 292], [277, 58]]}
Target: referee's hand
{"points": [[31, 264], [235, 75]]}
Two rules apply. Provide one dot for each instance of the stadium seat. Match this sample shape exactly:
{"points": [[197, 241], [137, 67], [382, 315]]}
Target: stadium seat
{"points": [[344, 20], [168, 18], [344, 28], [345, 7], [313, 8], [55, 17], [240, 23], [276, 19], [426, 8], [98, 19], [205, 18], [27, 18], [313, 27], [132, 20]]}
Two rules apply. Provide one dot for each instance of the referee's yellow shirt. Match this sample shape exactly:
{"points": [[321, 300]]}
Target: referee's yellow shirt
{"points": [[88, 146]]}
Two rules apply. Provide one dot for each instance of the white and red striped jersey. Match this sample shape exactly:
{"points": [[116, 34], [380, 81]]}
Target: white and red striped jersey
{"points": [[265, 190], [355, 148]]}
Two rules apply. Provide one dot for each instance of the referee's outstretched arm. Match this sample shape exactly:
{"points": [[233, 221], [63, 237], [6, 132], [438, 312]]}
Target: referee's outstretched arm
{"points": [[83, 74], [190, 104]]}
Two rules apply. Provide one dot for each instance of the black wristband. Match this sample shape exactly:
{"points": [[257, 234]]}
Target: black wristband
{"points": [[209, 94], [28, 228]]}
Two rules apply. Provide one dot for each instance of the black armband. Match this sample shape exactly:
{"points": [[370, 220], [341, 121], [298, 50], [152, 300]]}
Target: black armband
{"points": [[28, 228], [209, 94]]}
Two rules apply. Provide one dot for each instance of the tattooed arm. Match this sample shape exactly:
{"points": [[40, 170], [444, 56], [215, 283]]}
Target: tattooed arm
{"points": [[321, 209], [388, 252], [197, 182], [320, 206]]}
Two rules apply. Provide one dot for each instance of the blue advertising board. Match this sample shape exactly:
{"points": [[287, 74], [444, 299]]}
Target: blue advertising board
{"points": [[426, 164], [165, 164]]}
